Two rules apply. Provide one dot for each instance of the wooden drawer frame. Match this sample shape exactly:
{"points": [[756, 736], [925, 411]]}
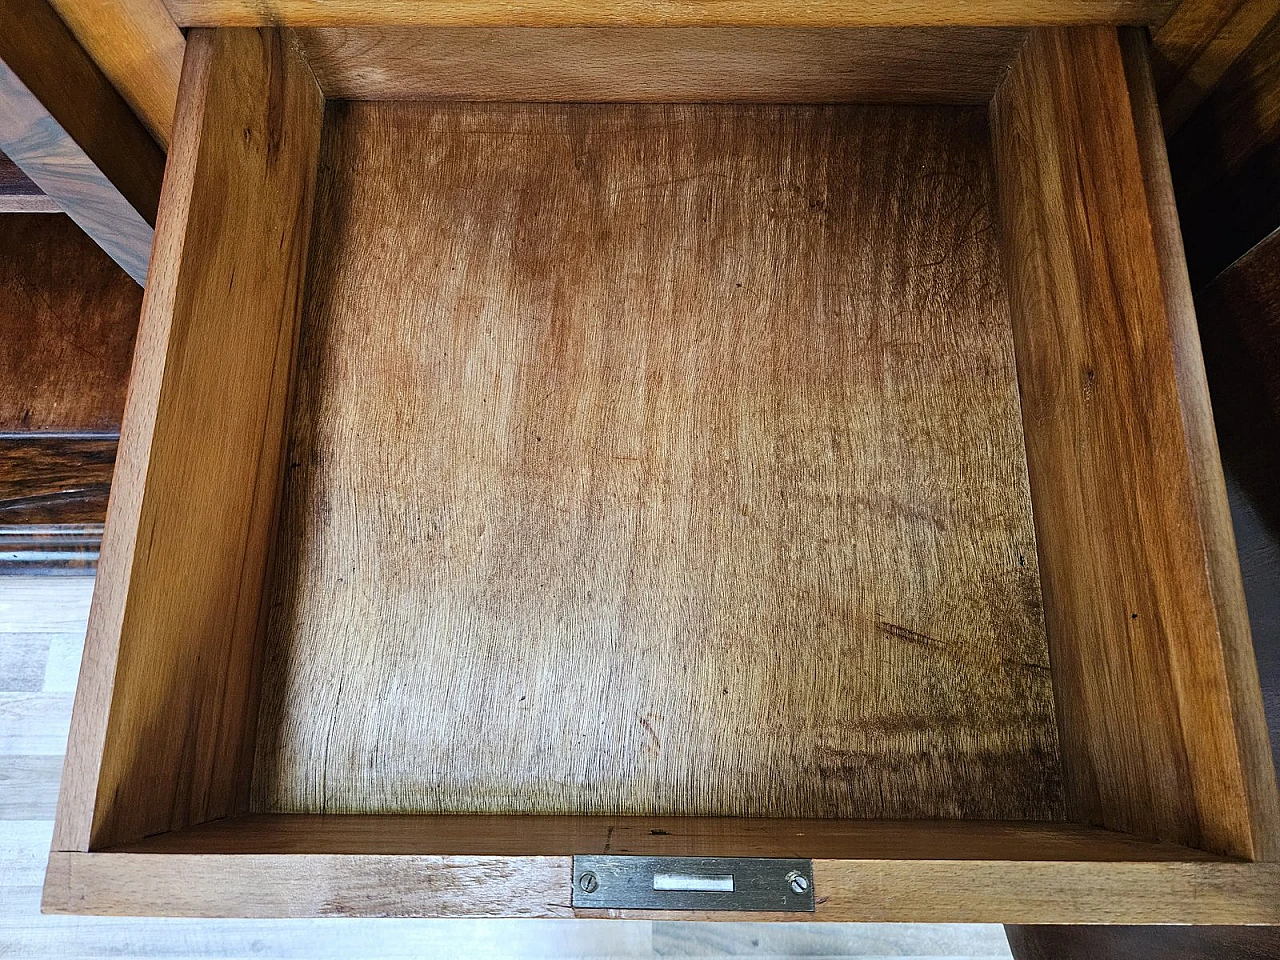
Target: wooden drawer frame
{"points": [[1164, 745]]}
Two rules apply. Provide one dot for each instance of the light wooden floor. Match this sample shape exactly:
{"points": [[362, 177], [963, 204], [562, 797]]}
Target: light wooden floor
{"points": [[42, 623]]}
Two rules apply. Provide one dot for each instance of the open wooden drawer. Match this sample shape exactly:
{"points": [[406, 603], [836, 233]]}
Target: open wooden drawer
{"points": [[679, 459]]}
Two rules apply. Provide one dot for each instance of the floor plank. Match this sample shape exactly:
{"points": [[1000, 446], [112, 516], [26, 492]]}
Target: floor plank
{"points": [[29, 786], [44, 604], [24, 848], [22, 661], [34, 723], [62, 666], [933, 940]]}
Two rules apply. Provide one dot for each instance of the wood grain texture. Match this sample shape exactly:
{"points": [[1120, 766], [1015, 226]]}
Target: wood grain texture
{"points": [[1142, 640], [929, 891], [18, 194], [1226, 161], [53, 499], [644, 436], [708, 64], [55, 479], [138, 47], [68, 317], [1208, 486], [1200, 45], [526, 836], [166, 696], [73, 135], [576, 13]]}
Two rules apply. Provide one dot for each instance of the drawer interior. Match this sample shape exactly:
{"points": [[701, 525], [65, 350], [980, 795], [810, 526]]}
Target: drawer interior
{"points": [[656, 459], [749, 442]]}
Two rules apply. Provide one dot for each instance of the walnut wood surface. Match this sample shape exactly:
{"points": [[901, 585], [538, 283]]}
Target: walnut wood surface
{"points": [[1201, 45], [666, 461], [1208, 486], [73, 135], [162, 717], [48, 480], [138, 47], [1226, 159], [53, 498], [763, 13], [1157, 703], [952, 65], [68, 316]]}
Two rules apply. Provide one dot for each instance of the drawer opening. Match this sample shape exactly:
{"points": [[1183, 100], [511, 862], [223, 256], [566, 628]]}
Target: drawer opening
{"points": [[668, 451], [656, 460]]}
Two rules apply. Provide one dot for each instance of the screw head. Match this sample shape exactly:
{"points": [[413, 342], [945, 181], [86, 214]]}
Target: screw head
{"points": [[588, 882], [798, 882]]}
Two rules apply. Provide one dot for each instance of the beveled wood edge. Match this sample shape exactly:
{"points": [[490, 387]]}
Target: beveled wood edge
{"points": [[139, 48], [86, 741], [522, 835], [100, 787], [547, 13], [1252, 738], [928, 891]]}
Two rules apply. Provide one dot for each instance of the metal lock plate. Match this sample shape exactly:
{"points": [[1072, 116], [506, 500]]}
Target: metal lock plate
{"points": [[693, 883]]}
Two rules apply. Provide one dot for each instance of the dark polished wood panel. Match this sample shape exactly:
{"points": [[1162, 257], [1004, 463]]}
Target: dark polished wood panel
{"points": [[68, 316], [54, 480], [1072, 942], [1226, 160], [53, 501], [1201, 44]]}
